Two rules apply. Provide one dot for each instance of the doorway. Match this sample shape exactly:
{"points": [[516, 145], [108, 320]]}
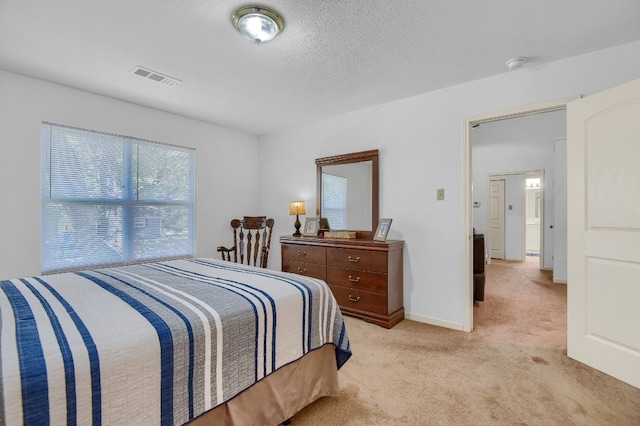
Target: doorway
{"points": [[470, 192], [533, 215], [515, 228]]}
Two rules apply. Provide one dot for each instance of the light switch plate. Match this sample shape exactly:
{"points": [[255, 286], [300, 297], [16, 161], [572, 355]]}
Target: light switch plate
{"points": [[440, 194]]}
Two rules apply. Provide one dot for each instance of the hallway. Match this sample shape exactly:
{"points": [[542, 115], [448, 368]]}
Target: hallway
{"points": [[522, 303]]}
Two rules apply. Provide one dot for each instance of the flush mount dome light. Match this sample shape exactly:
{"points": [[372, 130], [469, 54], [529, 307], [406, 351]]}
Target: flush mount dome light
{"points": [[257, 23]]}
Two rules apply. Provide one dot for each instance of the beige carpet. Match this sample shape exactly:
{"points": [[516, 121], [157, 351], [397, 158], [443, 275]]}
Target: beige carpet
{"points": [[511, 370]]}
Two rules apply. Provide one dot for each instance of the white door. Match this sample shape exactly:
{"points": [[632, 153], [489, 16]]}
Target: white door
{"points": [[496, 219], [603, 207]]}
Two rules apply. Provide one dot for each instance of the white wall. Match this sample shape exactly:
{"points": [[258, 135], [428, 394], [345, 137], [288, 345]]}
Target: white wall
{"points": [[226, 162], [560, 213], [517, 145], [421, 149]]}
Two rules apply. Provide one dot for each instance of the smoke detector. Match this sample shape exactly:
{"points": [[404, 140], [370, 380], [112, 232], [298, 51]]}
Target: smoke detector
{"points": [[155, 76], [515, 63]]}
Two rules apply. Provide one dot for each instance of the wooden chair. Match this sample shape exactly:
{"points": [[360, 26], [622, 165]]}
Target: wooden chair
{"points": [[255, 252]]}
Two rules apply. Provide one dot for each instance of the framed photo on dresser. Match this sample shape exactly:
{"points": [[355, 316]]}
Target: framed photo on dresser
{"points": [[311, 227], [383, 230], [324, 223]]}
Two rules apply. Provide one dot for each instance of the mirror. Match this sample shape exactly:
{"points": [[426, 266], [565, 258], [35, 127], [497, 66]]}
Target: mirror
{"points": [[347, 192]]}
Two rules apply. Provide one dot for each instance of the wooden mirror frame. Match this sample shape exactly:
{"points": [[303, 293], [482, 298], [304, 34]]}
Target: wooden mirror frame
{"points": [[355, 157]]}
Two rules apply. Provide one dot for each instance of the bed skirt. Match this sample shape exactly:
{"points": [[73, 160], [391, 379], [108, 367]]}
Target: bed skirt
{"points": [[280, 395]]}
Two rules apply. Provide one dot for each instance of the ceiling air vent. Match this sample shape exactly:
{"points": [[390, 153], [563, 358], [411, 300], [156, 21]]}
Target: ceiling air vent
{"points": [[155, 76]]}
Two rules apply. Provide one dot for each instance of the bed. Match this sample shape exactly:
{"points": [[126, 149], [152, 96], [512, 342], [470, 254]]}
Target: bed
{"points": [[197, 341]]}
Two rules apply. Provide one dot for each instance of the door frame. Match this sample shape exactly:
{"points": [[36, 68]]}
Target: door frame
{"points": [[467, 184], [523, 217]]}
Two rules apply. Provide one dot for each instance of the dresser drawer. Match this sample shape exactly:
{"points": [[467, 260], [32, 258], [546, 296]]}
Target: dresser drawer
{"points": [[363, 280], [302, 253], [365, 276], [358, 299], [308, 269], [366, 260]]}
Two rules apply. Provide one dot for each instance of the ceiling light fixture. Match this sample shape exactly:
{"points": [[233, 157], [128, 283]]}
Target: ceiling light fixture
{"points": [[515, 63], [257, 23]]}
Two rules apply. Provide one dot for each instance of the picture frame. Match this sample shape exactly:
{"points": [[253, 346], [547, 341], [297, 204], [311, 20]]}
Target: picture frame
{"points": [[311, 227], [383, 229], [324, 223]]}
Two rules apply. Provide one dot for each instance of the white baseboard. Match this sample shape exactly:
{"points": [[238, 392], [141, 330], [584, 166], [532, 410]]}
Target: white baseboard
{"points": [[434, 321], [559, 281]]}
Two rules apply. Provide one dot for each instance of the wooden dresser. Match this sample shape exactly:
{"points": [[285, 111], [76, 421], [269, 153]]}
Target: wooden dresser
{"points": [[365, 276]]}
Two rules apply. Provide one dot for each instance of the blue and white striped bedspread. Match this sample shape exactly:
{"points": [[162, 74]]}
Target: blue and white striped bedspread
{"points": [[156, 343]]}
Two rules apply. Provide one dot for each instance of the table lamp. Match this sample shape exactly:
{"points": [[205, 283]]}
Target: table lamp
{"points": [[297, 208]]}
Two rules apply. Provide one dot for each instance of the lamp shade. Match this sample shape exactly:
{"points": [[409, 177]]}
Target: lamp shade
{"points": [[297, 207]]}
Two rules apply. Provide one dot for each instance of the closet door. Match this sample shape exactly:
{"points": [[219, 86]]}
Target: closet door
{"points": [[496, 218]]}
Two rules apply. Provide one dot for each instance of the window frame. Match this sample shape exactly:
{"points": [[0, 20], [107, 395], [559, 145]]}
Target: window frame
{"points": [[128, 207]]}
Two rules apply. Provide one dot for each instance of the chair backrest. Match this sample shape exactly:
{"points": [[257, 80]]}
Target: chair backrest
{"points": [[251, 241]]}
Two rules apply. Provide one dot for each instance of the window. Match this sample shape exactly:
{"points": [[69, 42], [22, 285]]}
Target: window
{"points": [[109, 199], [334, 201]]}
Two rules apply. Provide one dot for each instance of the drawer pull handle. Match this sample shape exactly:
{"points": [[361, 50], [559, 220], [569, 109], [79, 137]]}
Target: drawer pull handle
{"points": [[302, 253], [356, 260], [354, 280], [302, 271], [354, 299]]}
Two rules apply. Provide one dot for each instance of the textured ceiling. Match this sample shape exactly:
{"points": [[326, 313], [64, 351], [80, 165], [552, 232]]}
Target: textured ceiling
{"points": [[334, 56]]}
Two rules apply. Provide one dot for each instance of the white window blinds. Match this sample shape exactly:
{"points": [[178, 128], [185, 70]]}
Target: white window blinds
{"points": [[334, 200], [109, 200]]}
